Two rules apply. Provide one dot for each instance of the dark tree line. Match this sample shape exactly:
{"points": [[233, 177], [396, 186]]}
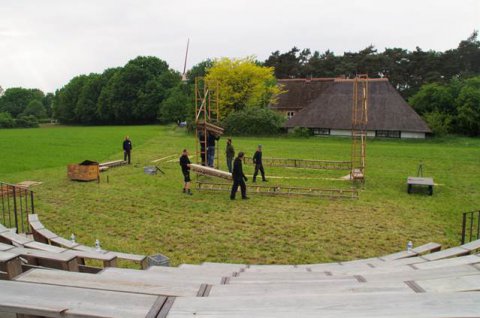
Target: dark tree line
{"points": [[133, 94], [22, 107], [406, 70], [452, 107]]}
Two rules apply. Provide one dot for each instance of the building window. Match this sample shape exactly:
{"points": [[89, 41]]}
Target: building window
{"points": [[321, 131], [290, 114], [388, 133]]}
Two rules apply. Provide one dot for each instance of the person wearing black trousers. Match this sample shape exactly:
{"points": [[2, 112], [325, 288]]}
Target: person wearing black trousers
{"points": [[238, 178], [185, 164], [127, 148], [257, 160], [230, 154]]}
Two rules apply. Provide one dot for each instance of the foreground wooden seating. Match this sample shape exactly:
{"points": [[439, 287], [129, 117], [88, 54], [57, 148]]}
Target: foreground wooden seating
{"points": [[43, 235], [39, 300], [10, 265], [335, 305], [9, 237], [121, 280], [405, 284], [424, 282]]}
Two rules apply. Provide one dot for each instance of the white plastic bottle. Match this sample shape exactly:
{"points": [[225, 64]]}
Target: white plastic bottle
{"points": [[72, 238], [409, 246], [97, 245]]}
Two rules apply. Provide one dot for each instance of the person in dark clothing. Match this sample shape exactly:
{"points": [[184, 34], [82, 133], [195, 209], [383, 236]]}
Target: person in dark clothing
{"points": [[127, 149], [185, 164], [257, 160], [203, 153], [230, 154], [238, 178], [211, 139]]}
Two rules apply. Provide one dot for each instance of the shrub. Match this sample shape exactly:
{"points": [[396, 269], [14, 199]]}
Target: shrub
{"points": [[253, 121], [302, 132], [439, 123], [26, 122], [6, 120]]}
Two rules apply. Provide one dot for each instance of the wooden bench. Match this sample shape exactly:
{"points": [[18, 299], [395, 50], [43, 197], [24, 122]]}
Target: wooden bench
{"points": [[41, 300], [46, 259], [331, 306], [393, 275], [420, 182], [41, 234], [122, 281], [10, 265], [108, 259]]}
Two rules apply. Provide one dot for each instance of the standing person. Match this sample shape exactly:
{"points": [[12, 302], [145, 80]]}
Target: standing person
{"points": [[238, 178], [185, 164], [211, 139], [230, 153], [127, 148], [257, 160]]}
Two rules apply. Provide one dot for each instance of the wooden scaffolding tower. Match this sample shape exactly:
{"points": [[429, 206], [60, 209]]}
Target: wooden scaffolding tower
{"points": [[207, 117], [359, 127]]}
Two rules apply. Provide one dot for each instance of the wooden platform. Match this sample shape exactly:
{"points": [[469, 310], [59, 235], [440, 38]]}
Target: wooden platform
{"points": [[211, 128]]}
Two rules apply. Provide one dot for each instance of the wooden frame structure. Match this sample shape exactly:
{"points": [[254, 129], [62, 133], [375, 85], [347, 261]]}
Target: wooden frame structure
{"points": [[206, 116], [359, 127], [282, 190], [303, 163]]}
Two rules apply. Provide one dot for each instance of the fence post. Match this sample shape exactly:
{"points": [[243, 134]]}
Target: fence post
{"points": [[15, 208], [31, 202], [478, 226], [464, 223], [471, 226]]}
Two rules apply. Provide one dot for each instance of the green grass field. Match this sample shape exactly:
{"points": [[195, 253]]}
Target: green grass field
{"points": [[139, 213]]}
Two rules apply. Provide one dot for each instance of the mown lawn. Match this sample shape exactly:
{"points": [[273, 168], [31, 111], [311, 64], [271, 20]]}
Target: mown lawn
{"points": [[138, 213]]}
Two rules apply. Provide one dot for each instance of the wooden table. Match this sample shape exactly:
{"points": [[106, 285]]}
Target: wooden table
{"points": [[420, 182]]}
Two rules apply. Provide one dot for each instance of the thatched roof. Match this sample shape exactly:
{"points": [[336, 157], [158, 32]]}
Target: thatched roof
{"points": [[332, 109], [300, 92]]}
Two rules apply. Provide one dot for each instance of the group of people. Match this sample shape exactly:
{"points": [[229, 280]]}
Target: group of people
{"points": [[235, 167]]}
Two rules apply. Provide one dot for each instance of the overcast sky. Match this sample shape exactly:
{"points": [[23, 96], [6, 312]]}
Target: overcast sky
{"points": [[44, 43]]}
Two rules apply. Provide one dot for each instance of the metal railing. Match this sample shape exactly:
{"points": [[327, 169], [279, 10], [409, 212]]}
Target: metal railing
{"points": [[15, 205], [470, 226]]}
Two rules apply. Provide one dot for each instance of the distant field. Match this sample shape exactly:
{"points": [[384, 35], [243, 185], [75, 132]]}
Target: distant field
{"points": [[32, 149], [149, 214]]}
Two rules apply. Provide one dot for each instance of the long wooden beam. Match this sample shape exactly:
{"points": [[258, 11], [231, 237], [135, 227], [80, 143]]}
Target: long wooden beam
{"points": [[211, 172]]}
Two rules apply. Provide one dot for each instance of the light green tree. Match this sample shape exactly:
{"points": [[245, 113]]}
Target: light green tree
{"points": [[243, 83]]}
